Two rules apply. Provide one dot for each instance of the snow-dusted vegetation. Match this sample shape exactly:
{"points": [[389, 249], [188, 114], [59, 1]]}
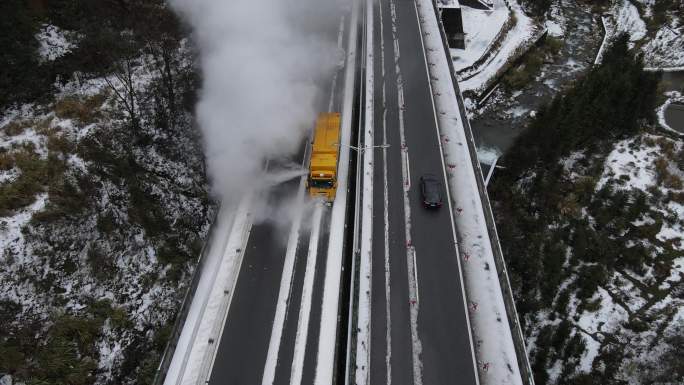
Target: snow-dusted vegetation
{"points": [[655, 27], [103, 196], [589, 212]]}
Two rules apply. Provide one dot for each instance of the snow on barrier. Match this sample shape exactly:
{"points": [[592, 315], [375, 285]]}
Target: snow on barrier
{"points": [[327, 341], [499, 345], [363, 328], [192, 358], [172, 344]]}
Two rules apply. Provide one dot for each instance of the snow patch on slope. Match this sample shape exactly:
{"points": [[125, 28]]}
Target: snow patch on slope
{"points": [[53, 42]]}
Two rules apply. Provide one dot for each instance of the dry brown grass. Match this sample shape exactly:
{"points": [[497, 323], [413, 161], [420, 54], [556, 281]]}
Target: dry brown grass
{"points": [[44, 126], [83, 110], [59, 143], [667, 146], [6, 161], [673, 181], [15, 127]]}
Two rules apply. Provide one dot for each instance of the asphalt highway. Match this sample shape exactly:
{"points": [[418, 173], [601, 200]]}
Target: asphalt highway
{"points": [[438, 351], [419, 331], [241, 356]]}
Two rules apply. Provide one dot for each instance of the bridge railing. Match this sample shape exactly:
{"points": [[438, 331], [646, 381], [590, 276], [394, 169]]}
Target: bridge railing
{"points": [[511, 312], [178, 324]]}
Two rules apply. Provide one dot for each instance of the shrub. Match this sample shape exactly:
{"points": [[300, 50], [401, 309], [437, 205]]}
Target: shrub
{"points": [[85, 111], [575, 347], [589, 279], [70, 355], [106, 222], [14, 128], [673, 181], [22, 191], [145, 210], [6, 161], [60, 144], [101, 264]]}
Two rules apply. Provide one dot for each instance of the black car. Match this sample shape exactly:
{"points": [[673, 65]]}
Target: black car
{"points": [[431, 190]]}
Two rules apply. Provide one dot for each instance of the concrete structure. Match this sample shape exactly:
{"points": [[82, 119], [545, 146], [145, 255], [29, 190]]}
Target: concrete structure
{"points": [[450, 11]]}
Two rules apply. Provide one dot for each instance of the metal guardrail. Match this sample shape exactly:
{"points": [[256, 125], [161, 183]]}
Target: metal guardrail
{"points": [[170, 349], [511, 312]]}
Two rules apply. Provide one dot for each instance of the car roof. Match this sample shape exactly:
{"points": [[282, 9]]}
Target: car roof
{"points": [[431, 177]]}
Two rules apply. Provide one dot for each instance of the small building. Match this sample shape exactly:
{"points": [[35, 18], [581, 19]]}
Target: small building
{"points": [[450, 11]]}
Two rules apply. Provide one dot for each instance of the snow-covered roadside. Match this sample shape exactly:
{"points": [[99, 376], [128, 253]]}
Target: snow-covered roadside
{"points": [[494, 345], [516, 40], [192, 360], [325, 356], [365, 271]]}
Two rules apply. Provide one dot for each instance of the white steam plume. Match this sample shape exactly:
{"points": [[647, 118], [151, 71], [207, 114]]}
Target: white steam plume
{"points": [[264, 63]]}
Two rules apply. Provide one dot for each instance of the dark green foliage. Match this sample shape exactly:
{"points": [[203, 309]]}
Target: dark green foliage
{"points": [[608, 103], [172, 253], [541, 356], [541, 214], [67, 356], [142, 357], [521, 75], [659, 14], [22, 78], [538, 7], [144, 209], [590, 277], [560, 335], [574, 348], [106, 223], [36, 175], [110, 35], [101, 264]]}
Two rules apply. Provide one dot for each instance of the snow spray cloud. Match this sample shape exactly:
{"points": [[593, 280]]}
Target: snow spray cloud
{"points": [[264, 64]]}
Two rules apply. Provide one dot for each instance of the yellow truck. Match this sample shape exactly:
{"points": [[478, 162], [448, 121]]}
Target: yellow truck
{"points": [[322, 180]]}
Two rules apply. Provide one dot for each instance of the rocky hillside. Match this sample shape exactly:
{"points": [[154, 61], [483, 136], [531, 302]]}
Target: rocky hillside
{"points": [[103, 196]]}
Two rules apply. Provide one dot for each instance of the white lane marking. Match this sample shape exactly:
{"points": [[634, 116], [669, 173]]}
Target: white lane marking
{"points": [[284, 292], [365, 268], [325, 356], [414, 300], [283, 303], [388, 287], [408, 170], [305, 304], [217, 248], [446, 185], [340, 37], [243, 220]]}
